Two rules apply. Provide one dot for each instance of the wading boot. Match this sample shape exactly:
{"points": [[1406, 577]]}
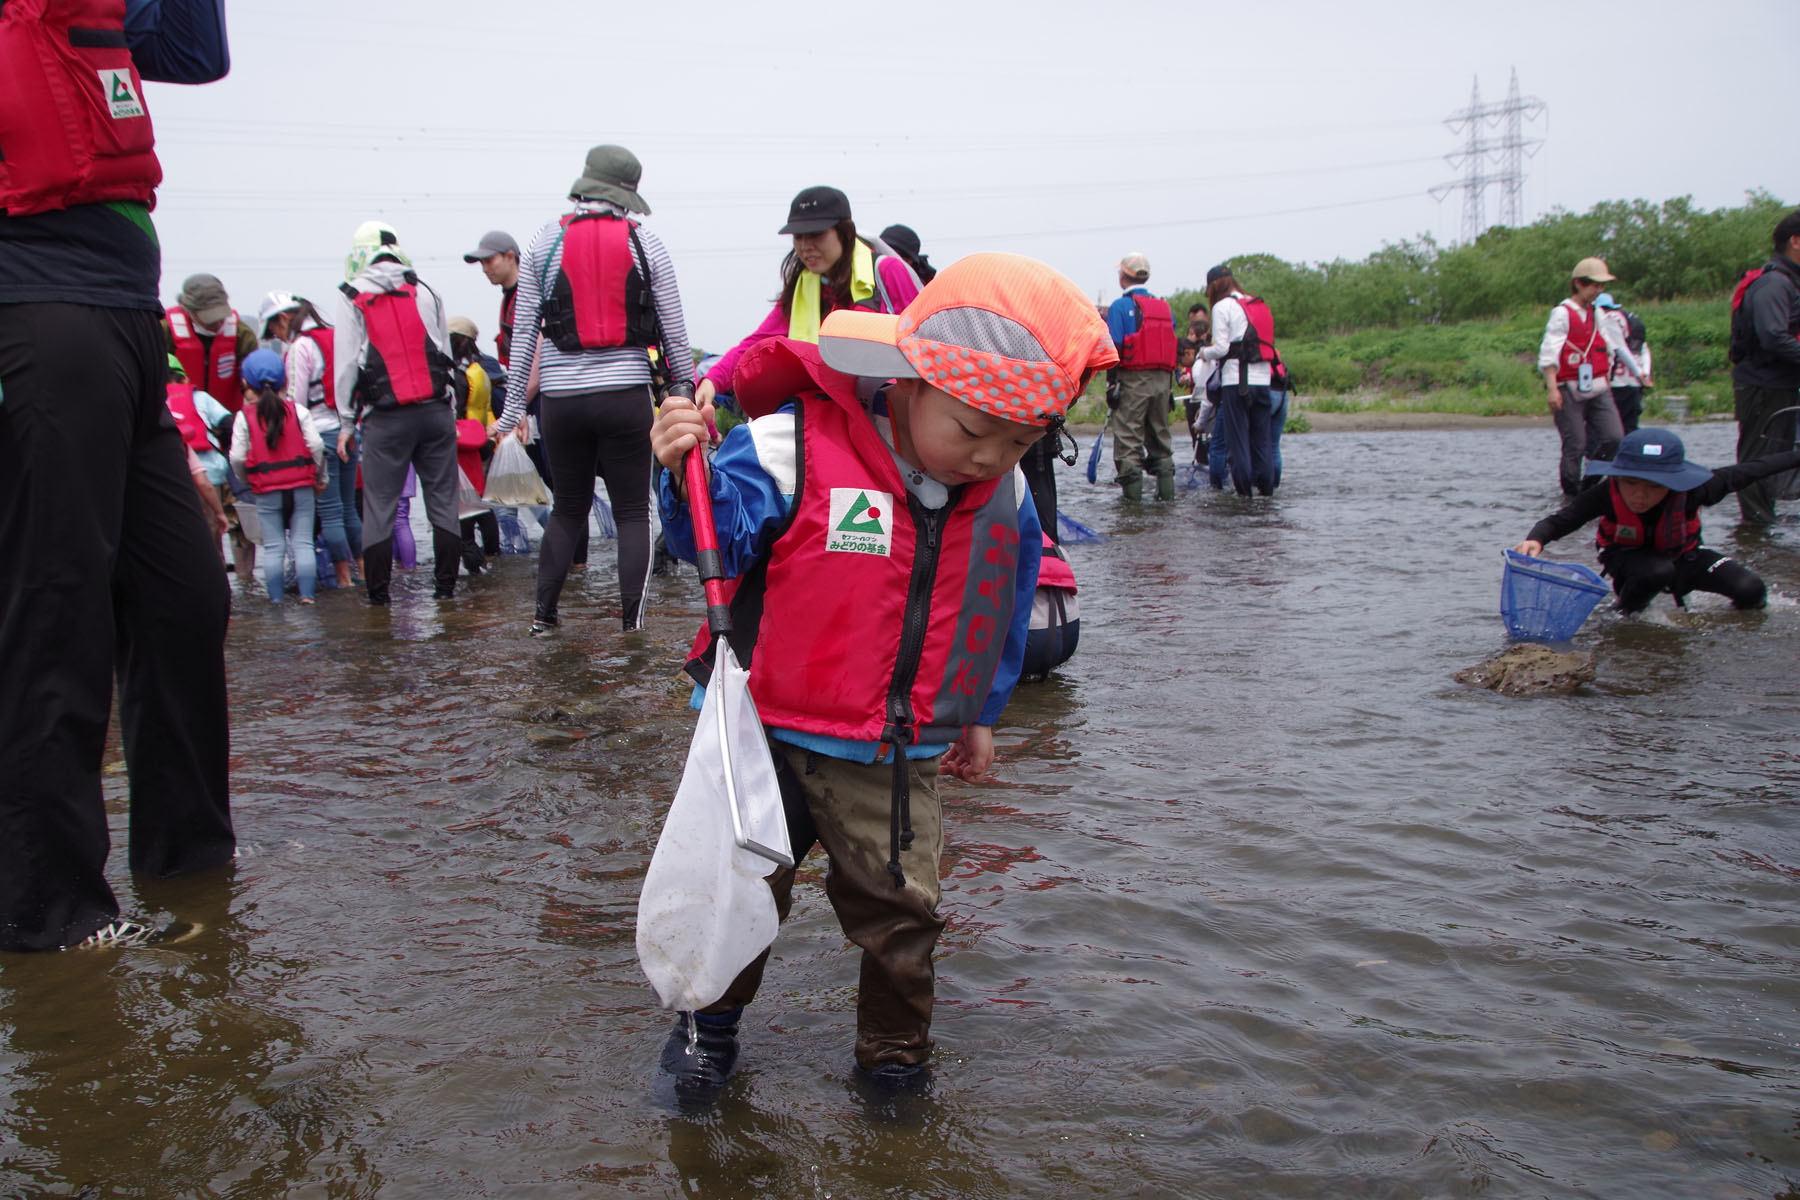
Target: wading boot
{"points": [[1165, 486], [378, 569], [700, 1053], [1133, 487], [447, 552]]}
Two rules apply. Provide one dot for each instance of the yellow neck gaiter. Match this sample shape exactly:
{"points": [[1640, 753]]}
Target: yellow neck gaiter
{"points": [[804, 315]]}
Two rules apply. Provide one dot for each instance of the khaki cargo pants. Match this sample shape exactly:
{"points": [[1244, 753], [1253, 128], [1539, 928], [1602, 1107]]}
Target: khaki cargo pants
{"points": [[1140, 425], [845, 807]]}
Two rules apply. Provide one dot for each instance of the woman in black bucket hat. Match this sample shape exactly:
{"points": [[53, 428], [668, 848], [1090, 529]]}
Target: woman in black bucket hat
{"points": [[1649, 513]]}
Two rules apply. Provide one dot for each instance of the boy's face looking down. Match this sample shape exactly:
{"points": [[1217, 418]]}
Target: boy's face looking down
{"points": [[950, 441], [1640, 495]]}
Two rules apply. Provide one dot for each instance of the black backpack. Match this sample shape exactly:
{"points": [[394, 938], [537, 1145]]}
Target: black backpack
{"points": [[1634, 331]]}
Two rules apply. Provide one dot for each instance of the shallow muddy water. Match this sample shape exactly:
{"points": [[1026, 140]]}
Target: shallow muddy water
{"points": [[1258, 904]]}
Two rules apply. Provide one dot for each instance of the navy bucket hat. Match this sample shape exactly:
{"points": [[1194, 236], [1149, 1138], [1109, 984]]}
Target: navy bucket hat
{"points": [[1655, 456]]}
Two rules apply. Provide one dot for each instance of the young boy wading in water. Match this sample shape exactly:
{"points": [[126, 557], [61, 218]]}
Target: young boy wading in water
{"points": [[885, 551], [1649, 514]]}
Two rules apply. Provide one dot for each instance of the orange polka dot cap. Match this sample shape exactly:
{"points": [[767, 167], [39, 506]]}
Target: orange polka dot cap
{"points": [[1005, 334]]}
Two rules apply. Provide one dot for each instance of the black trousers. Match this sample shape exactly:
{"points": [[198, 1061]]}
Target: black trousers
{"points": [[1630, 403], [1039, 465], [109, 568], [1754, 406], [605, 433], [1639, 576]]}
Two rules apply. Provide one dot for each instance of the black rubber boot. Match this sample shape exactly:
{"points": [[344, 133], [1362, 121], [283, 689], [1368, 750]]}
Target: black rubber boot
{"points": [[1133, 487], [378, 569], [701, 1053], [1165, 486], [446, 553]]}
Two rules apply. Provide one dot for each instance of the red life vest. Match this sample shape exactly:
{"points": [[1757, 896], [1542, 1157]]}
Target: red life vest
{"points": [[599, 298], [1152, 346], [1054, 570], [187, 417], [288, 465], [73, 125], [509, 301], [326, 340], [402, 365], [215, 370], [869, 619], [1584, 342], [471, 436], [1677, 528]]}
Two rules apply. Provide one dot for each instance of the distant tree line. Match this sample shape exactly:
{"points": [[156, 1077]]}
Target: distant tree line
{"points": [[1659, 252]]}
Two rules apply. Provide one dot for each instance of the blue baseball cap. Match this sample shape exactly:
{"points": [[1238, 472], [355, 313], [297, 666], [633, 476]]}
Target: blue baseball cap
{"points": [[264, 368], [1605, 300], [1655, 456]]}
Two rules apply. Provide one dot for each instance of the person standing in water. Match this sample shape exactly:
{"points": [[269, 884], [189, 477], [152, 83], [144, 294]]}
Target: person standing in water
{"points": [[1140, 390], [392, 356], [1649, 513], [112, 582], [597, 292]]}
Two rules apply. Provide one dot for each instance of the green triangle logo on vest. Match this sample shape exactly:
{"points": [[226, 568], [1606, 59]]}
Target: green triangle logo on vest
{"points": [[863, 517], [122, 100], [860, 521]]}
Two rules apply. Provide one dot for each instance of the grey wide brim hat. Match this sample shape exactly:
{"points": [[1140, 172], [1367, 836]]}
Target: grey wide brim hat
{"points": [[1656, 456], [611, 173]]}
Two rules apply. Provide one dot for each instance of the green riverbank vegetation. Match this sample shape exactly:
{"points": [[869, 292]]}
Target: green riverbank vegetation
{"points": [[1419, 327]]}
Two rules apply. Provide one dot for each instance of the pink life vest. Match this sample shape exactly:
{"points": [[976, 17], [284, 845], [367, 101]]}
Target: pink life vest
{"points": [[289, 465], [187, 417], [599, 297], [215, 370], [325, 338], [73, 125], [403, 364]]}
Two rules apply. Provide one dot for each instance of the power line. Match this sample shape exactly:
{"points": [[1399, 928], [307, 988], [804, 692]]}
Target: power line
{"points": [[224, 199]]}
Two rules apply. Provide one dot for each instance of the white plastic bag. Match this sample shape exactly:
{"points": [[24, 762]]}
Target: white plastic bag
{"points": [[706, 911], [511, 479], [468, 500]]}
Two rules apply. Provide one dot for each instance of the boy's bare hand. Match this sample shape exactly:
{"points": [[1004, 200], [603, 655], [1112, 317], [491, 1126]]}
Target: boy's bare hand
{"points": [[971, 757], [1529, 548], [680, 426]]}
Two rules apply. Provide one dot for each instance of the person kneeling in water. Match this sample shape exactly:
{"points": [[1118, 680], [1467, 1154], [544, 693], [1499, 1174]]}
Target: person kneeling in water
{"points": [[1649, 512]]}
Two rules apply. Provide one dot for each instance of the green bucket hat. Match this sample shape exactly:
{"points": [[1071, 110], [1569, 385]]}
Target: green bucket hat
{"points": [[611, 173]]}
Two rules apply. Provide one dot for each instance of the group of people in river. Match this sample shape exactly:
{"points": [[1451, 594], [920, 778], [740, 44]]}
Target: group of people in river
{"points": [[885, 546], [1637, 482]]}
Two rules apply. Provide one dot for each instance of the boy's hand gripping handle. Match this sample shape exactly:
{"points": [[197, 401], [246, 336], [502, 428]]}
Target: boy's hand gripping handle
{"points": [[706, 544]]}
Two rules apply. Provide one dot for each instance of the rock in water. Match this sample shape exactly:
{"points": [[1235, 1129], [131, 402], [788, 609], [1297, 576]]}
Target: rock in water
{"points": [[1529, 669]]}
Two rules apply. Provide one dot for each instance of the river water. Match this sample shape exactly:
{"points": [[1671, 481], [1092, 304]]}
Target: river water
{"points": [[1259, 902]]}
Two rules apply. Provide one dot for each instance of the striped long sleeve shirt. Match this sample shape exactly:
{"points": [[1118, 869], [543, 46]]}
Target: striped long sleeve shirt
{"points": [[563, 373]]}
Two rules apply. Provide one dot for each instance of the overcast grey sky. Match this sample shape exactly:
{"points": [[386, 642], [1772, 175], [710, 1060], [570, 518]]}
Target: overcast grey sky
{"points": [[1073, 132]]}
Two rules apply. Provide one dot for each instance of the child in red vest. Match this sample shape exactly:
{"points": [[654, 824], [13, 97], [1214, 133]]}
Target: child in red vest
{"points": [[1649, 513], [885, 552], [276, 450]]}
